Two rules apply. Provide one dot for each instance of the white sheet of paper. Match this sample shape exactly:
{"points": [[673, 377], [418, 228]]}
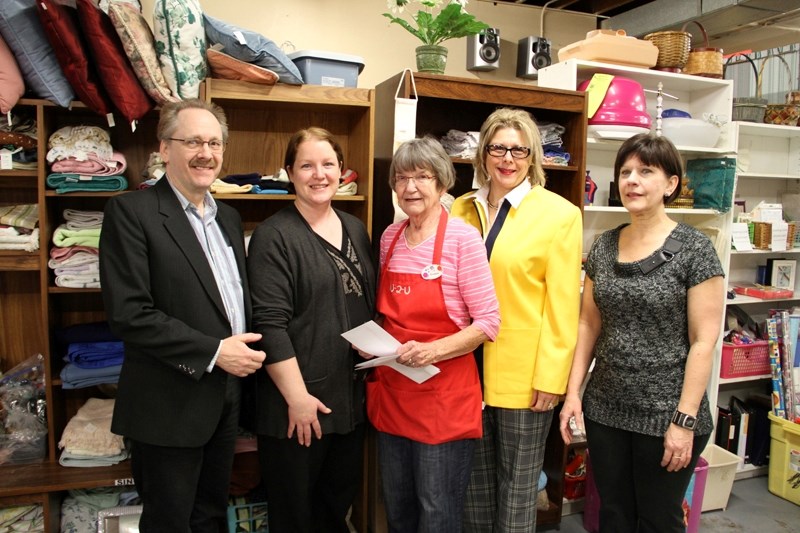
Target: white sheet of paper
{"points": [[740, 237], [373, 339], [780, 231]]}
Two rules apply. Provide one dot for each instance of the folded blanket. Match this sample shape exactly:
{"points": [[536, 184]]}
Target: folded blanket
{"points": [[63, 236], [78, 141], [95, 354], [73, 459], [84, 269], [92, 165], [78, 281], [74, 377], [251, 178], [90, 430], [10, 239], [75, 260], [257, 189], [60, 253], [79, 219], [22, 216], [64, 183], [220, 187]]}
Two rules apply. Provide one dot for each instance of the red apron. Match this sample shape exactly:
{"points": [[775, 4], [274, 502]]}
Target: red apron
{"points": [[447, 406]]}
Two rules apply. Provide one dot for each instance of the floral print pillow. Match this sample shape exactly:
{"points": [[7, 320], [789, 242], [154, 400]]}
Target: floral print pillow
{"points": [[137, 40], [180, 40]]}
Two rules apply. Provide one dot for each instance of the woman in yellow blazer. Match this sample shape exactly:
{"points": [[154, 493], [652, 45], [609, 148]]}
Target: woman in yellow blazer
{"points": [[533, 238]]}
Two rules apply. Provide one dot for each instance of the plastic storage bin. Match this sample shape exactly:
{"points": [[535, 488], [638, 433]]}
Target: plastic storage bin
{"points": [[719, 478], [692, 500], [248, 517], [328, 68], [784, 459], [741, 360]]}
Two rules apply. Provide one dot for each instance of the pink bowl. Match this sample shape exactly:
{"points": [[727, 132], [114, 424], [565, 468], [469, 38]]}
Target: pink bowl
{"points": [[624, 104]]}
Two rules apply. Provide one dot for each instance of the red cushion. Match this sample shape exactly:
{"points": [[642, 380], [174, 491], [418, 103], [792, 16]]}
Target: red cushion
{"points": [[61, 27], [112, 63]]}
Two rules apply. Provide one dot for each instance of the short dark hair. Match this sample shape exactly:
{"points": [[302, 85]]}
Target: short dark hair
{"points": [[168, 119], [426, 153], [652, 151], [307, 134]]}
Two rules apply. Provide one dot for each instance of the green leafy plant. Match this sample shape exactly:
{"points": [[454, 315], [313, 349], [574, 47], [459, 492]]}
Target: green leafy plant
{"points": [[451, 22]]}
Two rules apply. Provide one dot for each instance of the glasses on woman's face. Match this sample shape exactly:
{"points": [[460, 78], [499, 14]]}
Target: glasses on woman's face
{"points": [[421, 180], [499, 150], [215, 145]]}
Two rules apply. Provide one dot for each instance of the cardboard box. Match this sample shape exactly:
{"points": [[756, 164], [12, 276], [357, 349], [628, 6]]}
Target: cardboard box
{"points": [[719, 478], [784, 459], [328, 68]]}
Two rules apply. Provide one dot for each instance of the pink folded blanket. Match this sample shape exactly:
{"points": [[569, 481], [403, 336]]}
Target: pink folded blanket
{"points": [[93, 165]]}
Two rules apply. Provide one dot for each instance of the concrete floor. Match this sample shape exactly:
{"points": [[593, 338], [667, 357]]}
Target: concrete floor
{"points": [[751, 509]]}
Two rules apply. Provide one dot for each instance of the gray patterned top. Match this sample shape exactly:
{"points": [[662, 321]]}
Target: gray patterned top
{"points": [[644, 342]]}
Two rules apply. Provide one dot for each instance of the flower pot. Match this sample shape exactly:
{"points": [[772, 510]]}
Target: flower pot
{"points": [[431, 58]]}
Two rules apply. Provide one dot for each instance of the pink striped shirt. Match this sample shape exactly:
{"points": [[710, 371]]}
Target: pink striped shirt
{"points": [[467, 284]]}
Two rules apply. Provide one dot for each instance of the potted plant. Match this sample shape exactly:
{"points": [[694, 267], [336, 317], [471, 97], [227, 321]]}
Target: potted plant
{"points": [[451, 22]]}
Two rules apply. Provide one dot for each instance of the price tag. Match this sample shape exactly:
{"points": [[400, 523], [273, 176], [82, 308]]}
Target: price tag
{"points": [[5, 160]]}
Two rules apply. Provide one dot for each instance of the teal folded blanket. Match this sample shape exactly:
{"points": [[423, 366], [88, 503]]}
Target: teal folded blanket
{"points": [[63, 183]]}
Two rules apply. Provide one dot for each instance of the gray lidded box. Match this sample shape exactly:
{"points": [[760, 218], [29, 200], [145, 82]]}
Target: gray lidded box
{"points": [[328, 68]]}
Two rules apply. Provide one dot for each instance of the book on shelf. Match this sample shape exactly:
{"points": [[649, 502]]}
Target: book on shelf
{"points": [[741, 418], [778, 406], [758, 439], [725, 429], [756, 290]]}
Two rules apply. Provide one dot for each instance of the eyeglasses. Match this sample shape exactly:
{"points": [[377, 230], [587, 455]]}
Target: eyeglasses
{"points": [[418, 180], [215, 145], [517, 152]]}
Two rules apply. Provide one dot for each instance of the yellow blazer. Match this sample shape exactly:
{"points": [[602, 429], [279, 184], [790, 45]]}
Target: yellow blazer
{"points": [[535, 263]]}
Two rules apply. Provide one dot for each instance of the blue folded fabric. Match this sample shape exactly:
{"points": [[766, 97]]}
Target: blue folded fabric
{"points": [[74, 377], [258, 190], [66, 182], [95, 354]]}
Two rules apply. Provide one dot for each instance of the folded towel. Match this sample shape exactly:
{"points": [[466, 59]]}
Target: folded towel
{"points": [[64, 183], [243, 179], [22, 216], [92, 165], [90, 430], [72, 459], [95, 354], [74, 260], [59, 253], [79, 219], [78, 281], [11, 239], [78, 141], [74, 377], [64, 236], [220, 187]]}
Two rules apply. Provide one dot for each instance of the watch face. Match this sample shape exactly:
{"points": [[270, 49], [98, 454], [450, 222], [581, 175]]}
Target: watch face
{"points": [[689, 423]]}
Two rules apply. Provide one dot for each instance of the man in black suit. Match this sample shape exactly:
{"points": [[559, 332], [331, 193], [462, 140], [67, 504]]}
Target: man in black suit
{"points": [[172, 268]]}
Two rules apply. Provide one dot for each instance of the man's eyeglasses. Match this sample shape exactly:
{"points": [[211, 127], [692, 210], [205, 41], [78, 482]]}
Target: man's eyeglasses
{"points": [[419, 180], [215, 145], [517, 152]]}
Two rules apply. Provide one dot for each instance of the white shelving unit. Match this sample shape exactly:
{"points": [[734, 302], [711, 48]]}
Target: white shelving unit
{"points": [[696, 95]]}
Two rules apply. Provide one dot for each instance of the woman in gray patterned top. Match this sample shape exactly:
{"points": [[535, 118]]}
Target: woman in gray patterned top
{"points": [[651, 315]]}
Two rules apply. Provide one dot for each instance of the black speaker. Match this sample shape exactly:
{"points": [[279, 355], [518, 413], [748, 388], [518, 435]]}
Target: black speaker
{"points": [[533, 54], [483, 50]]}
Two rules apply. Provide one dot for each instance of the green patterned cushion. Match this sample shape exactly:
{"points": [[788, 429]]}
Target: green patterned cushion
{"points": [[180, 41]]}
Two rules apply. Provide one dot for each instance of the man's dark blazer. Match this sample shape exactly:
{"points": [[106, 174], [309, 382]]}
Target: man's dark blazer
{"points": [[162, 300]]}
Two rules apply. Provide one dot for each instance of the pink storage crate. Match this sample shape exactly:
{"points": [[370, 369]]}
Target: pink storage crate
{"points": [[692, 500], [742, 360]]}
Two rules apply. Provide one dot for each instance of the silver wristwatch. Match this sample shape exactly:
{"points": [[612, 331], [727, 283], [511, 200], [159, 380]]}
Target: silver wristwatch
{"points": [[683, 420]]}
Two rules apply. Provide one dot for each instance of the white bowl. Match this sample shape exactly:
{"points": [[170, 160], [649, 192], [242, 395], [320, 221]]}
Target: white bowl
{"points": [[690, 132]]}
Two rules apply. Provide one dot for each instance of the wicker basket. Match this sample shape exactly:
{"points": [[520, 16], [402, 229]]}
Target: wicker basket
{"points": [[762, 235], [749, 109], [673, 49], [783, 114], [703, 61]]}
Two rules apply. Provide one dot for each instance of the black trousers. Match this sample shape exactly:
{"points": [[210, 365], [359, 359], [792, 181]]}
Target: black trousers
{"points": [[636, 493], [185, 490], [310, 489]]}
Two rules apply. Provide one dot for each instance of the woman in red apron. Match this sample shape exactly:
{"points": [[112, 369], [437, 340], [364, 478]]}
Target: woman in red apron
{"points": [[437, 298]]}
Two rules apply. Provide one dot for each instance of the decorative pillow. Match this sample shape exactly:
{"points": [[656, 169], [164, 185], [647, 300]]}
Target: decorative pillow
{"points": [[61, 28], [181, 45], [252, 47], [11, 85], [22, 31], [113, 67], [229, 68], [137, 41]]}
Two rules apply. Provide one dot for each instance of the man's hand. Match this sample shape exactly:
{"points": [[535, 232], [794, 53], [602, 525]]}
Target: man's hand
{"points": [[238, 359]]}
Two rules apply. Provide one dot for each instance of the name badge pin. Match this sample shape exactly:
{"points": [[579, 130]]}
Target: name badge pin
{"points": [[432, 272]]}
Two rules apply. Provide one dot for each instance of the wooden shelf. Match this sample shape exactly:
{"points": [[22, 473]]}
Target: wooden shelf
{"points": [[16, 480], [12, 260]]}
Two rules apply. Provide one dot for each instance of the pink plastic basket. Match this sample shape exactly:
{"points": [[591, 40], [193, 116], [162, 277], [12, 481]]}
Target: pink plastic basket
{"points": [[742, 360]]}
